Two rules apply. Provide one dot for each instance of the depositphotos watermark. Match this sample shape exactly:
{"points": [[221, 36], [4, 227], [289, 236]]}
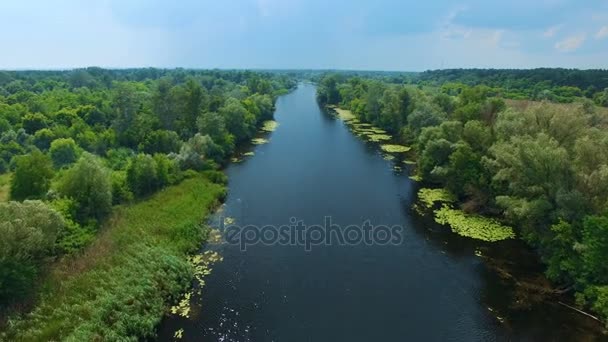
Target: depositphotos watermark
{"points": [[299, 234]]}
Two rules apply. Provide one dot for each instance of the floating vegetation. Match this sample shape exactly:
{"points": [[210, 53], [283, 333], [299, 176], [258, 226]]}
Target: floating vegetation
{"points": [[179, 334], [379, 137], [416, 178], [397, 168], [378, 130], [395, 148], [228, 221], [201, 263], [249, 154], [344, 114], [183, 307], [235, 160], [429, 197], [388, 157], [215, 237], [473, 226], [409, 162], [270, 126], [259, 141]]}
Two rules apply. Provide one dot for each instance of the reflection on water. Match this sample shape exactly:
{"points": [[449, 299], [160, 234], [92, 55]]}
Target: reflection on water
{"points": [[435, 285]]}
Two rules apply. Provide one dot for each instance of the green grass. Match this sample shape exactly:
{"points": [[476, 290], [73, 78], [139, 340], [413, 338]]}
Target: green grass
{"points": [[5, 187], [120, 286]]}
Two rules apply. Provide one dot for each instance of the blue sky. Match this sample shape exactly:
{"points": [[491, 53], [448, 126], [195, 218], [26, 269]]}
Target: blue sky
{"points": [[344, 34]]}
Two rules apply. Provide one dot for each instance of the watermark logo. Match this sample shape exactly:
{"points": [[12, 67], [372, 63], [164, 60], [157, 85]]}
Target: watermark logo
{"points": [[297, 233]]}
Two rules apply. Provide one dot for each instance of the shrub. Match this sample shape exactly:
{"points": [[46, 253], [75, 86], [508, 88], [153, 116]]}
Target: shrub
{"points": [[120, 188], [88, 184], [32, 178], [142, 175], [29, 231], [63, 152]]}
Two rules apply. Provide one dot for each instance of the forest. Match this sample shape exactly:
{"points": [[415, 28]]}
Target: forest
{"points": [[84, 157], [528, 161]]}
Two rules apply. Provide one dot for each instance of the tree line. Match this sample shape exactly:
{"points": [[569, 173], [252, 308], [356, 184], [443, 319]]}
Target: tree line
{"points": [[78, 142], [541, 167]]}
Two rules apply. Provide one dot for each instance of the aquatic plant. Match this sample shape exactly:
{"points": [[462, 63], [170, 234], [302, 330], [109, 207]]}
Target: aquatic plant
{"points": [[379, 137], [473, 226], [269, 126], [429, 197], [409, 162], [395, 148], [344, 114], [259, 141], [249, 154], [388, 157], [416, 178], [228, 221]]}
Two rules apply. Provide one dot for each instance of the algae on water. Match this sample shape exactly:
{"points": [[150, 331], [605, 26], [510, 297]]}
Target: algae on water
{"points": [[270, 126], [390, 148], [429, 197], [473, 226], [259, 141]]}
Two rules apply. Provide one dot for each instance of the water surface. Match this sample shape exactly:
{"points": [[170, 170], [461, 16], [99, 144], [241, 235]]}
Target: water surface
{"points": [[430, 287]]}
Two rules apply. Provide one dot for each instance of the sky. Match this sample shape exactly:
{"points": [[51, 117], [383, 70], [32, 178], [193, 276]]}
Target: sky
{"points": [[400, 35]]}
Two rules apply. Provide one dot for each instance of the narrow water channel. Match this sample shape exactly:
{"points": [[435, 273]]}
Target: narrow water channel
{"points": [[431, 286]]}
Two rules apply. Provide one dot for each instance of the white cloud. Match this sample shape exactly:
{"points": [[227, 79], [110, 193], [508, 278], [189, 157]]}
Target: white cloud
{"points": [[551, 31], [602, 33], [571, 43]]}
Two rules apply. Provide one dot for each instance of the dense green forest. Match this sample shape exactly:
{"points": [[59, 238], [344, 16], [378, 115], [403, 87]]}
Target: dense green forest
{"points": [[541, 167], [83, 154]]}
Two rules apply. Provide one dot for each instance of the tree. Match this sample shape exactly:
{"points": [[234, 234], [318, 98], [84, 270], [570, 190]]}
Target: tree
{"points": [[239, 121], [194, 152], [29, 231], [142, 175], [64, 152], [32, 177], [89, 184], [34, 122]]}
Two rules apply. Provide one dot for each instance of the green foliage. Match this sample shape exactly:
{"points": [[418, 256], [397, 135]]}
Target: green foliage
{"points": [[32, 176], [121, 192], [29, 231], [88, 183], [64, 152], [142, 175], [139, 267]]}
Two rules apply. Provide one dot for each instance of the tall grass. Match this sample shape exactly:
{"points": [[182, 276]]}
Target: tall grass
{"points": [[119, 287]]}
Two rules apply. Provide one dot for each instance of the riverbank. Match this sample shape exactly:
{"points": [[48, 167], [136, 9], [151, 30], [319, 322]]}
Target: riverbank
{"points": [[120, 287], [530, 287]]}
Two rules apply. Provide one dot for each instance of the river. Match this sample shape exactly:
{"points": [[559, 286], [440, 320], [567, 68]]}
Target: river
{"points": [[431, 286]]}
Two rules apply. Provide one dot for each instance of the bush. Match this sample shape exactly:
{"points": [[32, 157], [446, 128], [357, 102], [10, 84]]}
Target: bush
{"points": [[29, 231], [32, 178], [88, 184], [167, 170], [193, 153], [120, 188], [142, 175], [63, 152]]}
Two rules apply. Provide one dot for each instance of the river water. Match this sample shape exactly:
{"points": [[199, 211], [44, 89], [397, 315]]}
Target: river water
{"points": [[431, 286]]}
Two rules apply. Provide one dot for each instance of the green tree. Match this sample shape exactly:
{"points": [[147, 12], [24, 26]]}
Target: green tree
{"points": [[29, 231], [142, 175], [32, 177], [88, 183], [64, 152]]}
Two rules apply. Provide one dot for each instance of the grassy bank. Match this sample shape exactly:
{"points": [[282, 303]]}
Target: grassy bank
{"points": [[120, 286]]}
